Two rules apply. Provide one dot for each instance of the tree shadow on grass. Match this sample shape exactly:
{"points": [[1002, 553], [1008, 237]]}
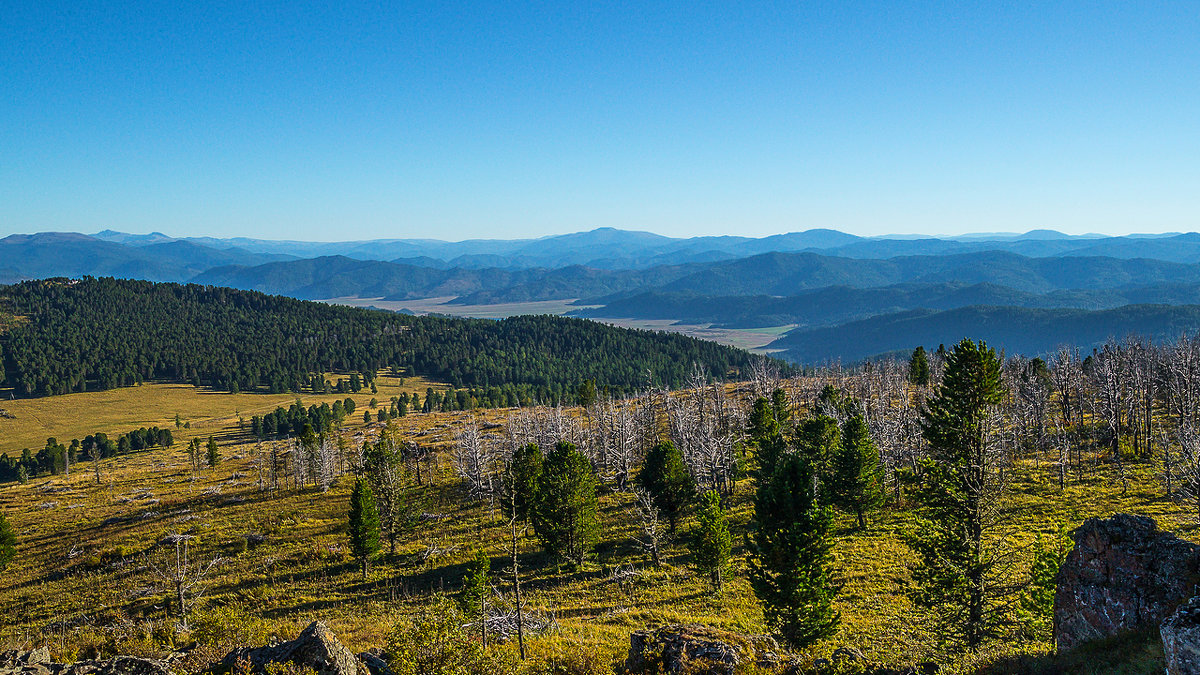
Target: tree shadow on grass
{"points": [[1136, 653]]}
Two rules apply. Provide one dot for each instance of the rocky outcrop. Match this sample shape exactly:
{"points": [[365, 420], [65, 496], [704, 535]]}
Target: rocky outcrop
{"points": [[316, 647], [696, 650], [1122, 574], [37, 662], [1181, 639]]}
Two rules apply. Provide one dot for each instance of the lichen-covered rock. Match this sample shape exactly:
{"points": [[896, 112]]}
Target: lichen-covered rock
{"points": [[1122, 574], [1181, 639], [697, 650], [37, 662], [316, 647]]}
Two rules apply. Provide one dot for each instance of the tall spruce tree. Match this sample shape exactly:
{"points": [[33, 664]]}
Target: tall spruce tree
{"points": [[214, 452], [956, 494], [521, 481], [711, 542], [855, 476], [918, 367], [790, 553], [564, 517], [364, 524], [766, 436], [666, 478]]}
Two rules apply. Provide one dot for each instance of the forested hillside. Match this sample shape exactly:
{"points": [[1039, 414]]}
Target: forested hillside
{"points": [[1017, 330], [836, 304], [103, 333]]}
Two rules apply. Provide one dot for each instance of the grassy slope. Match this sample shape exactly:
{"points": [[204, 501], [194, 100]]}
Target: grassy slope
{"points": [[78, 579], [209, 412]]}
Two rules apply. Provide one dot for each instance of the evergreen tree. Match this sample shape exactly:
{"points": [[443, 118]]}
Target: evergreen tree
{"points": [[666, 478], [855, 475], [767, 438], [522, 478], [781, 408], [194, 453], [956, 494], [819, 439], [711, 543], [564, 517], [473, 597], [364, 524], [585, 394], [214, 453], [8, 542], [790, 549], [918, 367]]}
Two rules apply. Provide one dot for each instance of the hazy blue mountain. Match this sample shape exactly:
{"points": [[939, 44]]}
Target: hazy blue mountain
{"points": [[838, 304], [51, 254], [610, 248], [787, 273], [1015, 329]]}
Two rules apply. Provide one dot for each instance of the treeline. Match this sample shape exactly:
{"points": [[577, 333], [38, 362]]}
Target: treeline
{"points": [[95, 334], [54, 458], [291, 421]]}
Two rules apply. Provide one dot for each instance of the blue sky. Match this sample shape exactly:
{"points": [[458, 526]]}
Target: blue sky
{"points": [[457, 120]]}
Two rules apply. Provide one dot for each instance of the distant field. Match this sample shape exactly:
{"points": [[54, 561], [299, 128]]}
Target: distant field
{"points": [[117, 411], [438, 306], [753, 339]]}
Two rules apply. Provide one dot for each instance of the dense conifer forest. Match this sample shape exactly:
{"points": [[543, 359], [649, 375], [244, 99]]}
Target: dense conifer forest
{"points": [[62, 336]]}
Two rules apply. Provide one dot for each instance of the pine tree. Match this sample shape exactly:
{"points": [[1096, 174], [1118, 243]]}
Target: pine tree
{"points": [[666, 478], [767, 438], [521, 480], [918, 367], [711, 543], [8, 542], [565, 514], [214, 453], [790, 548], [855, 476], [473, 597], [956, 494], [364, 524], [781, 408]]}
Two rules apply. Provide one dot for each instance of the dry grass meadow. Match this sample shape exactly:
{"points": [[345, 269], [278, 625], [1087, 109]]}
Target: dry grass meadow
{"points": [[80, 585]]}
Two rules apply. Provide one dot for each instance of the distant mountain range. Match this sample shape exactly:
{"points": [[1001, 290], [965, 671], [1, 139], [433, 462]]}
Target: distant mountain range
{"points": [[848, 297]]}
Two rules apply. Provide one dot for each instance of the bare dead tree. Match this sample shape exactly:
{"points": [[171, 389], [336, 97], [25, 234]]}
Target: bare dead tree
{"points": [[1188, 465], [649, 518], [183, 572], [764, 375], [474, 461]]}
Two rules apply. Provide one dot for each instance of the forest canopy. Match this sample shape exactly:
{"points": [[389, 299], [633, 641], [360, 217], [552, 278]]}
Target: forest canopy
{"points": [[63, 336]]}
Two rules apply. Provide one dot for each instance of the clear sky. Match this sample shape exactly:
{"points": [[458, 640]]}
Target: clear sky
{"points": [[452, 120]]}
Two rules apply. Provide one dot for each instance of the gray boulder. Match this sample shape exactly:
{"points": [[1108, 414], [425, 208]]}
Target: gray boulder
{"points": [[1181, 639], [316, 647], [37, 662], [696, 650], [1122, 574]]}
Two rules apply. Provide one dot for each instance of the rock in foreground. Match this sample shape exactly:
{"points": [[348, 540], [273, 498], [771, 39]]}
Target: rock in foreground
{"points": [[316, 647], [1181, 639], [1122, 574], [37, 662], [696, 650]]}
